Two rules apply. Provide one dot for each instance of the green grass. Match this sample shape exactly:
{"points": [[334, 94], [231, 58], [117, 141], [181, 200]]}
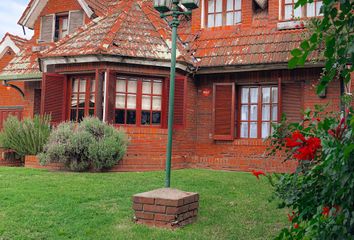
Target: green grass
{"points": [[37, 204]]}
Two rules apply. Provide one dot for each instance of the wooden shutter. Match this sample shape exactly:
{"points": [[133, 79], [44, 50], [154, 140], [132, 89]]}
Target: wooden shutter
{"points": [[111, 96], [54, 88], [76, 20], [180, 96], [47, 28], [292, 101], [224, 111]]}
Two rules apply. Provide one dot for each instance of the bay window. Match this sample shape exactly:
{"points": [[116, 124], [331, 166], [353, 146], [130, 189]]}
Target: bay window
{"points": [[222, 12], [309, 10], [258, 110], [138, 101]]}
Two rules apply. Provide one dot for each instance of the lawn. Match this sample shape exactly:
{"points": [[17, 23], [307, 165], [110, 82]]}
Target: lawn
{"points": [[37, 204]]}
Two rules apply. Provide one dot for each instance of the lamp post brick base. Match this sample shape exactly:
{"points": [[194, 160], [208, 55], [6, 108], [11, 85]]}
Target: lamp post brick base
{"points": [[166, 208]]}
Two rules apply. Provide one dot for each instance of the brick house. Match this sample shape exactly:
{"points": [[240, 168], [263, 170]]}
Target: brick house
{"points": [[111, 58]]}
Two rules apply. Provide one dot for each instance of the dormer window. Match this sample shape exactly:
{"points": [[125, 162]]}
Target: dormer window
{"points": [[222, 12], [307, 11]]}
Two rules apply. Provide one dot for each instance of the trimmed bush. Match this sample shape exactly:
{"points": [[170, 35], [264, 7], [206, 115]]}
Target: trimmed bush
{"points": [[26, 137], [90, 144]]}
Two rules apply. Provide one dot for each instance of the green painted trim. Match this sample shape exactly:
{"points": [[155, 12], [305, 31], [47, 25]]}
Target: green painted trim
{"points": [[21, 77]]}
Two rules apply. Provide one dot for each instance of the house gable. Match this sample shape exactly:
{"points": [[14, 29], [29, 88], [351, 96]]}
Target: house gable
{"points": [[11, 42]]}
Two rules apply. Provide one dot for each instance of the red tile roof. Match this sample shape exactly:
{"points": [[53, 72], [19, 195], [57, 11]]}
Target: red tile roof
{"points": [[19, 41], [244, 47], [135, 29]]}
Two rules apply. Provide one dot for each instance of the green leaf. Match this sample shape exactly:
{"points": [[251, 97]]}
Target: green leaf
{"points": [[293, 62], [305, 45], [296, 52]]}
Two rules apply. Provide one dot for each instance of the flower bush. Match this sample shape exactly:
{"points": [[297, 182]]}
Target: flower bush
{"points": [[89, 145], [320, 193], [26, 137]]}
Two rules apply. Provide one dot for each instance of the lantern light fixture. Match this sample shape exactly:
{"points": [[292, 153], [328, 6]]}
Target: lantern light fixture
{"points": [[190, 4], [164, 6]]}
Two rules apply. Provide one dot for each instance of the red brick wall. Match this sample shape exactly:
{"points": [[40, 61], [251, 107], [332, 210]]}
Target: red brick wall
{"points": [[30, 97]]}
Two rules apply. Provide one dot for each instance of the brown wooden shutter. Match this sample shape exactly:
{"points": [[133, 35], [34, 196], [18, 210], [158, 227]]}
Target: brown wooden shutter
{"points": [[224, 111], [111, 96], [47, 28], [292, 104], [180, 96], [54, 88], [76, 20]]}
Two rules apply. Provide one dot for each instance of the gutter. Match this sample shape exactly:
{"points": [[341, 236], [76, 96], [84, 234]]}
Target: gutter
{"points": [[22, 77]]}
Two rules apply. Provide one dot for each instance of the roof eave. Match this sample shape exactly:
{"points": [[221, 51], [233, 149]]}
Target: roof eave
{"points": [[22, 77]]}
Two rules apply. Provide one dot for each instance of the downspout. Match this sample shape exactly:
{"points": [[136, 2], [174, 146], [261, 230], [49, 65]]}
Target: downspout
{"points": [[104, 96], [6, 84], [342, 93]]}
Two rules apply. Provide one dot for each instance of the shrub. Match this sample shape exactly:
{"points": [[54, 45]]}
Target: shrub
{"points": [[91, 144], [26, 137]]}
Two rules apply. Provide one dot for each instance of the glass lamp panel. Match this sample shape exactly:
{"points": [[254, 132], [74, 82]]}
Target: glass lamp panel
{"points": [[244, 95], [266, 112], [211, 6], [218, 20], [238, 4], [244, 112], [190, 4], [146, 87], [254, 95], [288, 13], [82, 85], [75, 85], [157, 88], [163, 5], [265, 129], [156, 103], [132, 86], [131, 101], [120, 101], [266, 95], [274, 95], [253, 130], [244, 130], [121, 85], [146, 103], [254, 112]]}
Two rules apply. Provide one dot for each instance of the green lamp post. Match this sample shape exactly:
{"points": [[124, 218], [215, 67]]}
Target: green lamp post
{"points": [[171, 8]]}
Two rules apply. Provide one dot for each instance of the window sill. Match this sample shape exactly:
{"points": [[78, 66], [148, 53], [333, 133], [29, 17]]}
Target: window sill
{"points": [[290, 25], [223, 28]]}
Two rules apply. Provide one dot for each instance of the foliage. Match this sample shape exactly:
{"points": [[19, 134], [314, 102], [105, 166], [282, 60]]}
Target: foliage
{"points": [[90, 144], [334, 33], [320, 191], [26, 137]]}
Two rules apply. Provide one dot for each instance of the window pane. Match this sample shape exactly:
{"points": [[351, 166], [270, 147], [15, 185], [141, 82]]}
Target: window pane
{"points": [[146, 103], [219, 5], [82, 100], [244, 112], [145, 117], [254, 95], [156, 117], [266, 95], [131, 102], [81, 115], [275, 113], [274, 95], [92, 100], [211, 20], [73, 100], [218, 20], [131, 117], [211, 6], [318, 8], [156, 103], [75, 85], [119, 116], [237, 4], [266, 112], [146, 87], [132, 86], [288, 1], [265, 129], [244, 130], [288, 12], [229, 18], [253, 130], [93, 86], [310, 9], [73, 114], [82, 85], [121, 86], [91, 112], [297, 12], [157, 87], [230, 5], [254, 112], [245, 95], [120, 101], [238, 17]]}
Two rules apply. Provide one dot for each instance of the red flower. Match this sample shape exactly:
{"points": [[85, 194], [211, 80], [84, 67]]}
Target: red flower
{"points": [[325, 211], [296, 225], [296, 140], [257, 173], [331, 132], [291, 217], [308, 151], [337, 208]]}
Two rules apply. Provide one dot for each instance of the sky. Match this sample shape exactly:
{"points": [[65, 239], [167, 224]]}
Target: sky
{"points": [[10, 13]]}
